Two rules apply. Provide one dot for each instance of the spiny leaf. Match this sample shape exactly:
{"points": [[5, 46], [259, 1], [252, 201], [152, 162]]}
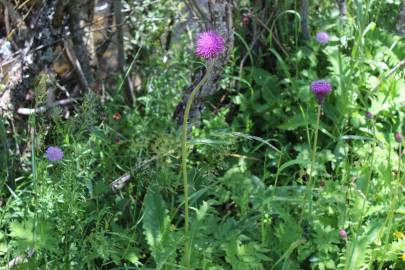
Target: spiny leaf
{"points": [[156, 226]]}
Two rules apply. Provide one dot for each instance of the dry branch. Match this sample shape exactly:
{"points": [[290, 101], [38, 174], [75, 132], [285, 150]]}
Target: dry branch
{"points": [[74, 9], [77, 67], [129, 90], [41, 109], [121, 182]]}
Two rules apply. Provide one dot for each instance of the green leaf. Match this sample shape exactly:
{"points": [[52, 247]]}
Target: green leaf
{"points": [[33, 234], [156, 226]]}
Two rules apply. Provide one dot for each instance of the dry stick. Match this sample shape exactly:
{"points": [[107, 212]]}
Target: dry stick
{"points": [[74, 11], [71, 56], [129, 89], [119, 183], [256, 38], [269, 30], [12, 14], [41, 109]]}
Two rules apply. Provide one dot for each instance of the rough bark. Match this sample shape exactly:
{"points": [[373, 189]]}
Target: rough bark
{"points": [[220, 14], [401, 21], [342, 7], [32, 62], [77, 34], [128, 88], [304, 19]]}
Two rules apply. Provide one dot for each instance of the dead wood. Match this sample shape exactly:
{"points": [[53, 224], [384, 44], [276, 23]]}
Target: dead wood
{"points": [[119, 183], [42, 109], [77, 67], [77, 33], [128, 87]]}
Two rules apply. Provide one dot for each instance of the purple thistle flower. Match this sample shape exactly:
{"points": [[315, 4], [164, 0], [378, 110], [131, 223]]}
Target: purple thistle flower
{"points": [[209, 45], [342, 233], [398, 137], [322, 37], [320, 88], [54, 153]]}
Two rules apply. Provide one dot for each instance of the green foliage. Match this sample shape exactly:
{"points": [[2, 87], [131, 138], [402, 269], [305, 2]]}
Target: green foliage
{"points": [[249, 161], [34, 234], [157, 229]]}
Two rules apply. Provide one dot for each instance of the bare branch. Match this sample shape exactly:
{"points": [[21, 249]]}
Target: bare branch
{"points": [[121, 182], [129, 90], [42, 109], [77, 67]]}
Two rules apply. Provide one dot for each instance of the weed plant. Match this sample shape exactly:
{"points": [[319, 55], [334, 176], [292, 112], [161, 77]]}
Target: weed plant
{"points": [[272, 181]]}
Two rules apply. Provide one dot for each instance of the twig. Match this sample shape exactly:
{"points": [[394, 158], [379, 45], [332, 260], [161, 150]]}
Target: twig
{"points": [[119, 183], [80, 49], [129, 90], [41, 109], [71, 56], [269, 30]]}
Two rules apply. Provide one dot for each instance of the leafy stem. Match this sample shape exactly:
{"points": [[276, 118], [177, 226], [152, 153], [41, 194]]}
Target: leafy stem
{"points": [[310, 184]]}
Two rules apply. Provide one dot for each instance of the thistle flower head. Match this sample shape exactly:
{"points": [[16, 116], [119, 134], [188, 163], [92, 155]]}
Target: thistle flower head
{"points": [[342, 233], [209, 45], [54, 153], [320, 88], [398, 137], [322, 37]]}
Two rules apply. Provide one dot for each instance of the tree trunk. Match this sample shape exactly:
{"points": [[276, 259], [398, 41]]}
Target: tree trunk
{"points": [[401, 21], [304, 19]]}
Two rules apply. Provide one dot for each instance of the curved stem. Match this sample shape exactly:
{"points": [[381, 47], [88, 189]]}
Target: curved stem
{"points": [[184, 153]]}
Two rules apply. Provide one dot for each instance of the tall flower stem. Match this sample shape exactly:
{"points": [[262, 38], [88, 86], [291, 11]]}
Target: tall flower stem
{"points": [[310, 184], [184, 154]]}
